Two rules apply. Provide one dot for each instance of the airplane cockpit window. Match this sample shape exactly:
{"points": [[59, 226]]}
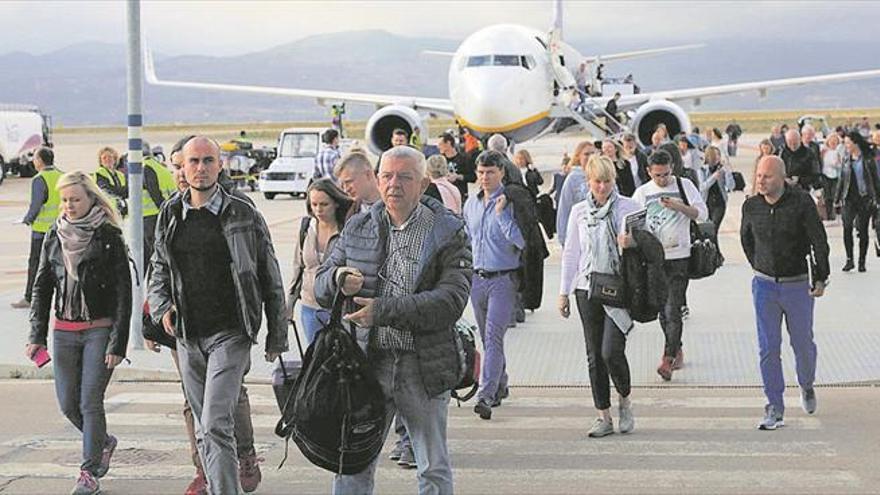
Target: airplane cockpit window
{"points": [[479, 60], [526, 61], [506, 60]]}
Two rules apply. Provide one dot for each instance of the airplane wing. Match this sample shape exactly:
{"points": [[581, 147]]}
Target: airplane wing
{"points": [[640, 53], [697, 94], [438, 105]]}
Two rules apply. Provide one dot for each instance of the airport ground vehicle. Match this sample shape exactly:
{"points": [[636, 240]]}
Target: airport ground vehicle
{"points": [[292, 168], [23, 129]]}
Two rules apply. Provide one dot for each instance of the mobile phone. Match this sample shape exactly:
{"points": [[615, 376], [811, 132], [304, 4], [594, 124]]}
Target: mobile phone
{"points": [[41, 357]]}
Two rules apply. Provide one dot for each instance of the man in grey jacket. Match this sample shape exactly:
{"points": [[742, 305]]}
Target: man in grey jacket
{"points": [[408, 262], [213, 272]]}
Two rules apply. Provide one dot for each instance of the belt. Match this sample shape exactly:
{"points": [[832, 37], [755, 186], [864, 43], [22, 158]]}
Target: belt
{"points": [[487, 274], [783, 280]]}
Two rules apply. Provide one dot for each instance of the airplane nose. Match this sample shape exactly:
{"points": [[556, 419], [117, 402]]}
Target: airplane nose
{"points": [[496, 99]]}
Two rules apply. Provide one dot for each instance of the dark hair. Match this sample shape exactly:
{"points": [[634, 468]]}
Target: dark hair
{"points": [[328, 187], [447, 138], [491, 158], [660, 157], [717, 132], [399, 132], [46, 155], [859, 140], [695, 130], [178, 146], [329, 135], [242, 133]]}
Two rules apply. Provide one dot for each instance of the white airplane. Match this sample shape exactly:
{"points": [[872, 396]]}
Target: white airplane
{"points": [[521, 82]]}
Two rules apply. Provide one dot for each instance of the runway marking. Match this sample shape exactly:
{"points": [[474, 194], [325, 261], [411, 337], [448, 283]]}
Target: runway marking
{"points": [[515, 403], [623, 446], [600, 480], [501, 421]]}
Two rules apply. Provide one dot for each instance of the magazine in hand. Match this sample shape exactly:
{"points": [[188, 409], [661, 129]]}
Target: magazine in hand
{"points": [[636, 220]]}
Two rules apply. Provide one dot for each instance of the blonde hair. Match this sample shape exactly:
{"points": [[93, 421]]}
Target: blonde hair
{"points": [[525, 154], [713, 151], [92, 190], [111, 151], [601, 168], [575, 160], [437, 166]]}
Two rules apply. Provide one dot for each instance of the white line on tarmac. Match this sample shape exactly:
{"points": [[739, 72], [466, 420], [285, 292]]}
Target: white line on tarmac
{"points": [[705, 402], [576, 446], [599, 480], [515, 422]]}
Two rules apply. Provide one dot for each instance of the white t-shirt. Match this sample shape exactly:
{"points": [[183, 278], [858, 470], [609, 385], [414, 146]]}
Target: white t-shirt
{"points": [[672, 228]]}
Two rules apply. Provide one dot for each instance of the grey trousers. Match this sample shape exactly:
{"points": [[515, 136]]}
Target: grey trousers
{"points": [[212, 369], [81, 377], [425, 420]]}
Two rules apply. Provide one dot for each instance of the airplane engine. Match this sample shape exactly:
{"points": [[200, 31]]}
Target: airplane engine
{"points": [[655, 112], [383, 122]]}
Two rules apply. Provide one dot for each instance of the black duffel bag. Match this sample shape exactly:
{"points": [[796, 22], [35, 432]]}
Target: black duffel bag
{"points": [[705, 256], [335, 412]]}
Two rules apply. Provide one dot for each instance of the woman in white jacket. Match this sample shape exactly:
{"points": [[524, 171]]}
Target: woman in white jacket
{"points": [[592, 247]]}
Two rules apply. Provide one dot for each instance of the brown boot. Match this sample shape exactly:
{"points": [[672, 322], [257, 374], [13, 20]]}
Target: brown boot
{"points": [[665, 368]]}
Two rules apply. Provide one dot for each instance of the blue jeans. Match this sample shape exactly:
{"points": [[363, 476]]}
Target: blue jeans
{"points": [[424, 417], [493, 299], [308, 316], [773, 301], [81, 377]]}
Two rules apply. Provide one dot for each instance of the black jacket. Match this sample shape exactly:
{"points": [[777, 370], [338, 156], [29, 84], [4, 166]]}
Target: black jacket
{"points": [[532, 257], [869, 170], [644, 277], [803, 164], [533, 180], [105, 280], [255, 271], [442, 286], [626, 186], [777, 238]]}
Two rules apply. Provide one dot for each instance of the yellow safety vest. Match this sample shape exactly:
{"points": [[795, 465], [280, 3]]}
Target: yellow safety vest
{"points": [[167, 186], [108, 174], [49, 212]]}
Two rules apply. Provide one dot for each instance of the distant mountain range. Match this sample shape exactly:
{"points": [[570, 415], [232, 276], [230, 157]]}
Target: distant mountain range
{"points": [[84, 84]]}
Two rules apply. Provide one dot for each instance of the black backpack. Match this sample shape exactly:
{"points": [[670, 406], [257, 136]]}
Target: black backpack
{"points": [[469, 361], [335, 412]]}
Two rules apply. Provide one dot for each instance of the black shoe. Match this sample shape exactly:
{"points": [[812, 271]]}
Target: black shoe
{"points": [[862, 267], [520, 315], [502, 394], [849, 265], [483, 409]]}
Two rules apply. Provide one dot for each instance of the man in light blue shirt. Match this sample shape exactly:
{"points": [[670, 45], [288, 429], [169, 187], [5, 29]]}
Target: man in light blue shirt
{"points": [[497, 244]]}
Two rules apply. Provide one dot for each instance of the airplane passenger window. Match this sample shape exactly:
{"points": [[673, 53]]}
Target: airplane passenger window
{"points": [[506, 60], [479, 60]]}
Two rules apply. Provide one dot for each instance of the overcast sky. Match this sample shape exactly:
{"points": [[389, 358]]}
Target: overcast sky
{"points": [[235, 26]]}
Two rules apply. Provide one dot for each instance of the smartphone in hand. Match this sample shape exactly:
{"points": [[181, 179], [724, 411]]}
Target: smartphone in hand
{"points": [[41, 357]]}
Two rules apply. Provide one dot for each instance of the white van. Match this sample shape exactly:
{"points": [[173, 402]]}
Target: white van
{"points": [[23, 129], [294, 166]]}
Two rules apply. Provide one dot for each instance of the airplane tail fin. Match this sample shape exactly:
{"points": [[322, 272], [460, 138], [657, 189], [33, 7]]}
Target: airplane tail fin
{"points": [[557, 18], [149, 68]]}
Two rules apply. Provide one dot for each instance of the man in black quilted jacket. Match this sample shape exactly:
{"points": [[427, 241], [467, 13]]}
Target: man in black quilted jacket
{"points": [[408, 261]]}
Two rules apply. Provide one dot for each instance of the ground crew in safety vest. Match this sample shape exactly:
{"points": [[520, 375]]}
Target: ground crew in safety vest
{"points": [[159, 185], [45, 204], [110, 180]]}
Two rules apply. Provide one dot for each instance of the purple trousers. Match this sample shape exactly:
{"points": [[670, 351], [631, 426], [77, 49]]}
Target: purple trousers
{"points": [[493, 299]]}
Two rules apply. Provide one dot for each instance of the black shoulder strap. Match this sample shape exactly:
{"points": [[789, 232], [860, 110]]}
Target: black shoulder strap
{"points": [[304, 230], [684, 196]]}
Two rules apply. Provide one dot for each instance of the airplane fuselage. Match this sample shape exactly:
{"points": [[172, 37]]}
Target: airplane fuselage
{"points": [[501, 81]]}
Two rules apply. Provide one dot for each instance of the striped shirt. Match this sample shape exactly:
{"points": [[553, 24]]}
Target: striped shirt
{"points": [[325, 161]]}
